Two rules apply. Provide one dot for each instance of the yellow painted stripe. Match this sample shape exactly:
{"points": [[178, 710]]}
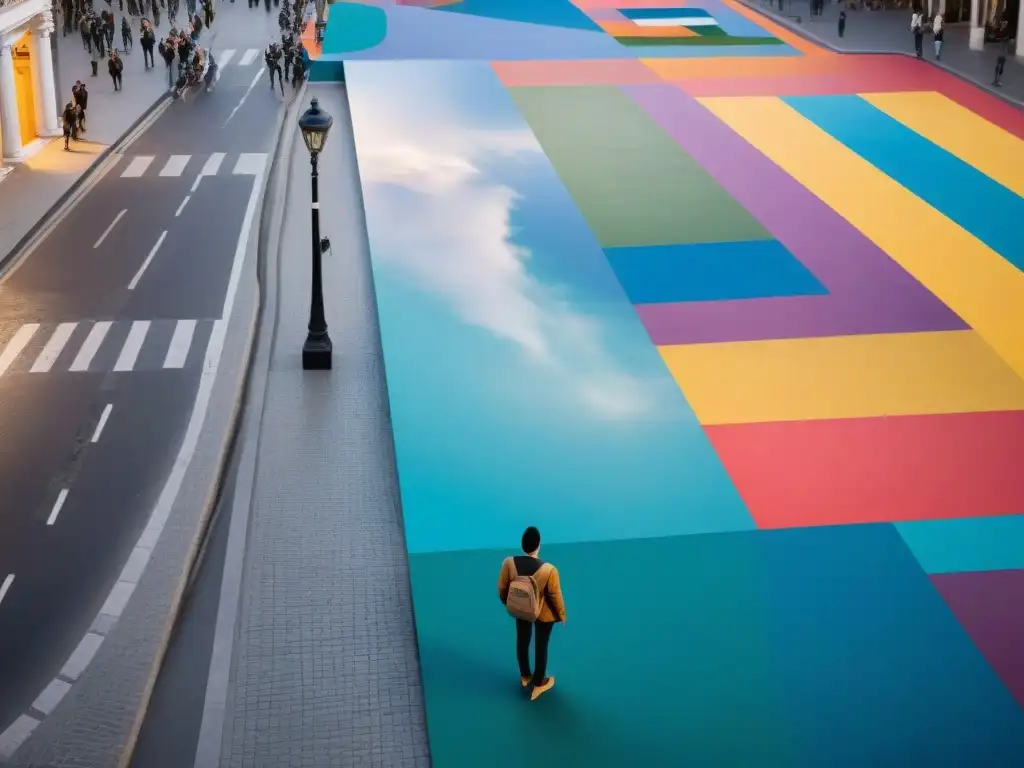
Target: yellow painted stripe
{"points": [[993, 151], [972, 279], [843, 377]]}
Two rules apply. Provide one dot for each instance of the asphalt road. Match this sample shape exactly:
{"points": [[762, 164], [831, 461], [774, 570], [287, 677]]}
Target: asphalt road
{"points": [[95, 400]]}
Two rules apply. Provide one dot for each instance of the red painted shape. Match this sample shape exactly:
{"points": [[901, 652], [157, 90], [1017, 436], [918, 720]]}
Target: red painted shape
{"points": [[847, 471], [988, 605], [808, 85]]}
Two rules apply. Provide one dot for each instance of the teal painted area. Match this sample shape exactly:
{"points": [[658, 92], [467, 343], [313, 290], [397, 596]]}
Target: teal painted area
{"points": [[967, 544], [980, 205], [552, 13], [522, 385], [805, 647], [354, 27], [711, 272], [326, 71]]}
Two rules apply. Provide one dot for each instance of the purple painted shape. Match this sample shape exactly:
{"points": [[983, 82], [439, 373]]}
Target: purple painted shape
{"points": [[868, 291], [990, 606]]}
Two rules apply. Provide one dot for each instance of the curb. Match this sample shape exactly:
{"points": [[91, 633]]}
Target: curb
{"points": [[230, 441], [214, 714], [799, 29], [69, 197]]}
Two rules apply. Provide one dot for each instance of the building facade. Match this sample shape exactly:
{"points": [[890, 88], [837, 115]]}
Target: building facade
{"points": [[28, 100]]}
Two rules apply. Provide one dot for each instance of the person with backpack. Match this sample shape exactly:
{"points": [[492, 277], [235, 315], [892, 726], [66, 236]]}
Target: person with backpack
{"points": [[530, 590]]}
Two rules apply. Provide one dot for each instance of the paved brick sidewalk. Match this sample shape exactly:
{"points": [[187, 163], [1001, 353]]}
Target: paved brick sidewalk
{"points": [[325, 671], [888, 32], [29, 191]]}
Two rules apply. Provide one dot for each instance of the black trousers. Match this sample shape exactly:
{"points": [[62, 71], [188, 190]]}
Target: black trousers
{"points": [[919, 44], [524, 630]]}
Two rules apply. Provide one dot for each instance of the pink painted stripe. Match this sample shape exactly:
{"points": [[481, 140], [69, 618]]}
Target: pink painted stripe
{"points": [[809, 85], [869, 292]]}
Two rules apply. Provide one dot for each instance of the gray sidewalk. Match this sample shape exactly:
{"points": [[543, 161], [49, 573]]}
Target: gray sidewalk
{"points": [[889, 32], [29, 191], [324, 666]]}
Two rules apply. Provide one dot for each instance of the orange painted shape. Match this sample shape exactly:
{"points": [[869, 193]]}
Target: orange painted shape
{"points": [[629, 29], [308, 38], [803, 85], [592, 72]]}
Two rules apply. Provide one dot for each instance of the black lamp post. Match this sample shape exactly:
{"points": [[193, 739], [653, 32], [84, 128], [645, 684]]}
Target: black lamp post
{"points": [[316, 352]]}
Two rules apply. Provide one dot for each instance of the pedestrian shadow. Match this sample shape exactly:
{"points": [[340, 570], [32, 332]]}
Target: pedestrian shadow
{"points": [[54, 159]]}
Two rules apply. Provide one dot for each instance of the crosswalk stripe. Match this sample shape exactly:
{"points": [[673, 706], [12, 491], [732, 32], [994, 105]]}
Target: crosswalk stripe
{"points": [[175, 165], [137, 167], [177, 352], [225, 56], [91, 346], [212, 164], [248, 57], [132, 346], [53, 348], [250, 164], [16, 344]]}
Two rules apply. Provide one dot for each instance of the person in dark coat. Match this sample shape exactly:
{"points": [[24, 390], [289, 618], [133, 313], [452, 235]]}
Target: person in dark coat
{"points": [[147, 38], [82, 100], [167, 53], [115, 67], [70, 119]]}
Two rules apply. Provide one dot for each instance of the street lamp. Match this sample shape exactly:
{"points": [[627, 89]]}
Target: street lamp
{"points": [[316, 352]]}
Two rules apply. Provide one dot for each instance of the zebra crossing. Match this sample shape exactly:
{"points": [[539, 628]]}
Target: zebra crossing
{"points": [[105, 346], [245, 58], [242, 164]]}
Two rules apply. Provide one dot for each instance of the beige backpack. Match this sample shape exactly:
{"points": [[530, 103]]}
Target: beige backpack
{"points": [[526, 593]]}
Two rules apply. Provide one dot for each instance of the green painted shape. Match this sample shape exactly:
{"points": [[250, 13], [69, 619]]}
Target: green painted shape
{"points": [[685, 676], [690, 41], [633, 183], [710, 31], [354, 27]]}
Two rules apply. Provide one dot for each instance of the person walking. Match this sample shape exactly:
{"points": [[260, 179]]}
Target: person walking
{"points": [[85, 27], [917, 27], [1005, 49], [167, 53], [939, 30], [69, 118], [273, 58], [115, 67], [126, 35], [531, 593], [842, 22], [82, 100]]}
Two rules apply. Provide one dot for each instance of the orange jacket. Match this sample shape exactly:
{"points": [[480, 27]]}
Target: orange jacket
{"points": [[552, 591]]}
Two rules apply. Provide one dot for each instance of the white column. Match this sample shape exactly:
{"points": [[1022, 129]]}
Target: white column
{"points": [[977, 39], [10, 124], [42, 73]]}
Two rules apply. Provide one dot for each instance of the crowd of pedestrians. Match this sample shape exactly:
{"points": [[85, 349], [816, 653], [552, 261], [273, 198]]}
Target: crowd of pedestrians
{"points": [[285, 60]]}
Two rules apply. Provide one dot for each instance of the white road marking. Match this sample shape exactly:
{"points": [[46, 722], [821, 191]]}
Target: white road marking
{"points": [[210, 168], [6, 586], [142, 269], [248, 57], [137, 167], [250, 164], [53, 348], [16, 734], [91, 346], [107, 231], [688, 21], [245, 95], [102, 423], [175, 165], [177, 352], [16, 344], [225, 56], [51, 696], [118, 598], [61, 498], [181, 207], [132, 346], [81, 656]]}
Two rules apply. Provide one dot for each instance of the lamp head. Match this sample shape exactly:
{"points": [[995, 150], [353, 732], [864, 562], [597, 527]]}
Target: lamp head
{"points": [[315, 124]]}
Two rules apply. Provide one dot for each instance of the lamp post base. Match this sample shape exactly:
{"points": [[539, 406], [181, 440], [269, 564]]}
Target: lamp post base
{"points": [[316, 353]]}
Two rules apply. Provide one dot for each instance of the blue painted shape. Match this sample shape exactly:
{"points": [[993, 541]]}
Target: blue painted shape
{"points": [[733, 23], [798, 649], [967, 544], [354, 27], [871, 661], [521, 382], [664, 13], [551, 13], [422, 33], [980, 205], [711, 271]]}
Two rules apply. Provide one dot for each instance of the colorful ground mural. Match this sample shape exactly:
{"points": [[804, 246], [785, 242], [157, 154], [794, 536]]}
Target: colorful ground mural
{"points": [[739, 324]]}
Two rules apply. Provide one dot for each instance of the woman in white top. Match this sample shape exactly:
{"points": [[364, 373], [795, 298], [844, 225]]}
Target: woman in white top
{"points": [[938, 29]]}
